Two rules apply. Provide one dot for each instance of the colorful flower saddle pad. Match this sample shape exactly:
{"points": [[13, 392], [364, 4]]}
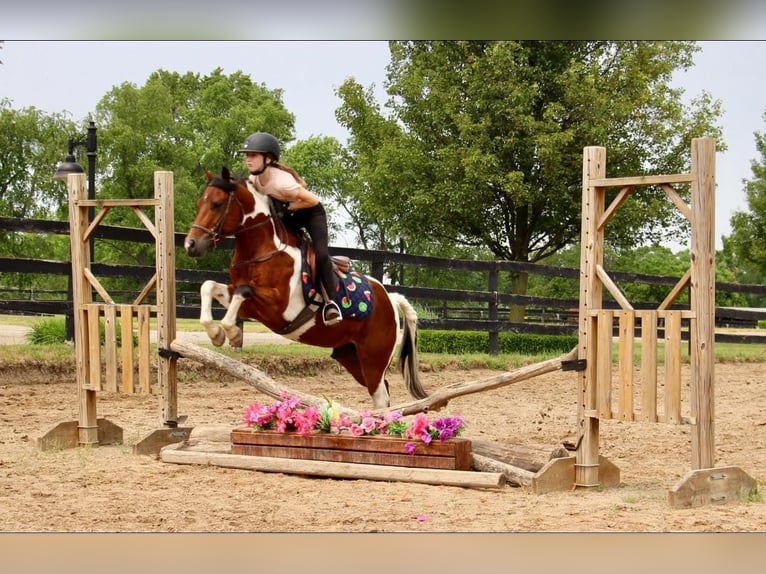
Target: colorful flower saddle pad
{"points": [[353, 292]]}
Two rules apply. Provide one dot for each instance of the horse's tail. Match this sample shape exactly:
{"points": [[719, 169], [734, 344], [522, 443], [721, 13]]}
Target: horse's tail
{"points": [[408, 348]]}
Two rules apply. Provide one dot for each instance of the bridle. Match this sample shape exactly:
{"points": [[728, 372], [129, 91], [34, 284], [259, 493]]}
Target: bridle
{"points": [[215, 233], [216, 236]]}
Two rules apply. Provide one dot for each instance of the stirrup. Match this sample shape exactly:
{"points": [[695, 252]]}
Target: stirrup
{"points": [[331, 314]]}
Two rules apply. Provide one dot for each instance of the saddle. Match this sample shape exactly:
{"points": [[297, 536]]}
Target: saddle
{"points": [[354, 295]]}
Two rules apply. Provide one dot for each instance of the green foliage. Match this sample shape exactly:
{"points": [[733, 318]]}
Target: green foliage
{"points": [[53, 331], [482, 145], [752, 495], [745, 249], [184, 123], [469, 342], [33, 143], [48, 332]]}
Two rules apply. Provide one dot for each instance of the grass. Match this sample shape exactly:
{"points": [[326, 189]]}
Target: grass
{"points": [[725, 352]]}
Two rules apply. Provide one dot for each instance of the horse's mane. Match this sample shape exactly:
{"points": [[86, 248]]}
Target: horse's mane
{"points": [[225, 181]]}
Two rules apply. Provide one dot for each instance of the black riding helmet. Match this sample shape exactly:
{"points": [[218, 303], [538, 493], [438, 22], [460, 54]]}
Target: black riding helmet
{"points": [[262, 142]]}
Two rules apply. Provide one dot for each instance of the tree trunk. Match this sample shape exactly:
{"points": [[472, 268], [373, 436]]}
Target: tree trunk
{"points": [[519, 283]]}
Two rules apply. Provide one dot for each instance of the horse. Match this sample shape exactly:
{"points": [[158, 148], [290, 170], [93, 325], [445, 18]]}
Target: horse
{"points": [[271, 282]]}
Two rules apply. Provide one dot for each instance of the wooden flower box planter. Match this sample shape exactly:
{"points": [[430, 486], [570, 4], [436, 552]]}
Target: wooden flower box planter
{"points": [[453, 454]]}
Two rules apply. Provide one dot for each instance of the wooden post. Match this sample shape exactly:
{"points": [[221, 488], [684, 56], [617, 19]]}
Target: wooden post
{"points": [[166, 295], [591, 257], [492, 282], [702, 299], [82, 295]]}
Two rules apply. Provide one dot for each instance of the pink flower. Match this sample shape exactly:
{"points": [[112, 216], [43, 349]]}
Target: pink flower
{"points": [[306, 420], [258, 415], [369, 424], [418, 426], [356, 430]]}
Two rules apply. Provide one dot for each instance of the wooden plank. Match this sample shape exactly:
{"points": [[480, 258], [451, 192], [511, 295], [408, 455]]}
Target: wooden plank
{"points": [[604, 367], [591, 292], [672, 367], [702, 299], [374, 443], [641, 180], [625, 353], [96, 284], [351, 456], [165, 257], [682, 206], [454, 454], [94, 347], [649, 366], [110, 348], [683, 282], [126, 349], [144, 359], [463, 478], [81, 296], [621, 198], [116, 202], [612, 287]]}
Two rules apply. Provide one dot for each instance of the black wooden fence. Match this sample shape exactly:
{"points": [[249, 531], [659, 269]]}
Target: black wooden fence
{"points": [[449, 309]]}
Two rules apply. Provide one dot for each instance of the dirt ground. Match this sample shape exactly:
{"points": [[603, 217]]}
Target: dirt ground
{"points": [[108, 489]]}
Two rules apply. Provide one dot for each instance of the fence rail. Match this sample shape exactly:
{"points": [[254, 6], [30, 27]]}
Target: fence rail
{"points": [[449, 309]]}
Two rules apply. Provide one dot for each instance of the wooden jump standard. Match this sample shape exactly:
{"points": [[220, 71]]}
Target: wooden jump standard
{"points": [[117, 364], [633, 402]]}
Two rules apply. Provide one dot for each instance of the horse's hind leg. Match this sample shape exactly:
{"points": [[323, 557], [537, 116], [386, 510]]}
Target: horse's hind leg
{"points": [[348, 356]]}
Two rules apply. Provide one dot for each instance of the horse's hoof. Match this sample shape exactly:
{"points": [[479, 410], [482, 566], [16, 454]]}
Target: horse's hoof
{"points": [[236, 349], [219, 338], [237, 341]]}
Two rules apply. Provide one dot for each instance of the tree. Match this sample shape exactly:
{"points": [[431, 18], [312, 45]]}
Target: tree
{"points": [[33, 144], [182, 123], [745, 248], [483, 144]]}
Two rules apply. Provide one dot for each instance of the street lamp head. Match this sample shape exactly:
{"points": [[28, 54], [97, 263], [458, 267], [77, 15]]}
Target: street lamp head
{"points": [[69, 165]]}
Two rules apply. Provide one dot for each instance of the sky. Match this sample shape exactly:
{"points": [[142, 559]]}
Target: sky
{"points": [[72, 76]]}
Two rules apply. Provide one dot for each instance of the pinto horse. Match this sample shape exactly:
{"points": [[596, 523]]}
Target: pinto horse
{"points": [[268, 274]]}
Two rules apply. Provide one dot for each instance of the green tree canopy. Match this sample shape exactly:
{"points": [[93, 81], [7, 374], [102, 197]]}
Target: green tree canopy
{"points": [[745, 248], [33, 144], [483, 143], [184, 123]]}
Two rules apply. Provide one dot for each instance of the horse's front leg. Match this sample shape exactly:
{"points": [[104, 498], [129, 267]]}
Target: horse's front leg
{"points": [[229, 321], [220, 292]]}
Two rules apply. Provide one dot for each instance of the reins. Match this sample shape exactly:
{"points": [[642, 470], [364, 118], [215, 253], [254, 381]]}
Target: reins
{"points": [[215, 233], [278, 229], [216, 236]]}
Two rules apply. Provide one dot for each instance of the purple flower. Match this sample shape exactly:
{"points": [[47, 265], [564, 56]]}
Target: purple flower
{"points": [[410, 447], [447, 427]]}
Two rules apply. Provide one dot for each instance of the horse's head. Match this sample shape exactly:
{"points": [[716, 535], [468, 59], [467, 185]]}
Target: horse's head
{"points": [[221, 210]]}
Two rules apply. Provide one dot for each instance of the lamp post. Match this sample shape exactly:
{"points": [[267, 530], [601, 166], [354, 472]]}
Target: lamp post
{"points": [[70, 165]]}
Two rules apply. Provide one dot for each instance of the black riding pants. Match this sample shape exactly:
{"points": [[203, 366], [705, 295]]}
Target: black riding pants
{"points": [[314, 219]]}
